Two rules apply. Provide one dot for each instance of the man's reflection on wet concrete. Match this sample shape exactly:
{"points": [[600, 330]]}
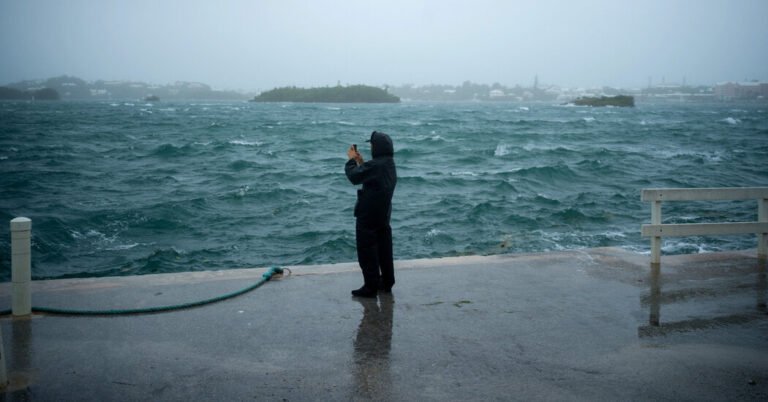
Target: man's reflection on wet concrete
{"points": [[372, 377]]}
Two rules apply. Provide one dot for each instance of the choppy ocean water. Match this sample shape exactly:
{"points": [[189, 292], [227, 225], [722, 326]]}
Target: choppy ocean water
{"points": [[126, 188]]}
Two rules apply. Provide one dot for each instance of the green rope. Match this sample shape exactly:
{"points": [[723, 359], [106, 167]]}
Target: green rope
{"points": [[160, 309]]}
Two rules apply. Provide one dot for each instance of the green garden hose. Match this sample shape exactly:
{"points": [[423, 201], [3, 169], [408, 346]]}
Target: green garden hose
{"points": [[160, 309]]}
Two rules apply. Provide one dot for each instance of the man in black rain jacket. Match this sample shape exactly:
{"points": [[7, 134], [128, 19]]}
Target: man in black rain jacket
{"points": [[373, 210]]}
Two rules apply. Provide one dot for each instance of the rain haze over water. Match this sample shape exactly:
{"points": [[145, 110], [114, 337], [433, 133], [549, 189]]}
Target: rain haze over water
{"points": [[258, 45]]}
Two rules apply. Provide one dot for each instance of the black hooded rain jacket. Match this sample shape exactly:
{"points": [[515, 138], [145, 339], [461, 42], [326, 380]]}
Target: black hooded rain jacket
{"points": [[378, 177]]}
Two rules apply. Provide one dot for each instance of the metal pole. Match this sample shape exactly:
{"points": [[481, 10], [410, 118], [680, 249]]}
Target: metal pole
{"points": [[21, 266]]}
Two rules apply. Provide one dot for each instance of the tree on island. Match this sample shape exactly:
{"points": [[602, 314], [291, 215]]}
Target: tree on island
{"points": [[618, 100], [74, 88], [338, 94], [39, 94], [12, 94], [46, 94]]}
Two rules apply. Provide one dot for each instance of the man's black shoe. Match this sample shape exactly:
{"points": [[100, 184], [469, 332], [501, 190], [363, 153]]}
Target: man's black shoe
{"points": [[384, 288], [364, 292]]}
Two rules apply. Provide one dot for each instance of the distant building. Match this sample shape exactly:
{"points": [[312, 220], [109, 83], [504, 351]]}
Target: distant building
{"points": [[741, 90]]}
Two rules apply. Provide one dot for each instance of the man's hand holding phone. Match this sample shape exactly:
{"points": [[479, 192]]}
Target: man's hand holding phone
{"points": [[353, 154]]}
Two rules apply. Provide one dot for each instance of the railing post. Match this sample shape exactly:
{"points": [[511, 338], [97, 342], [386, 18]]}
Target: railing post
{"points": [[762, 238], [656, 240], [21, 266]]}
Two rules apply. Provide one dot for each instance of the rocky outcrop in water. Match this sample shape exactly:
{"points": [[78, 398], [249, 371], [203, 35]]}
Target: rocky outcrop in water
{"points": [[619, 100]]}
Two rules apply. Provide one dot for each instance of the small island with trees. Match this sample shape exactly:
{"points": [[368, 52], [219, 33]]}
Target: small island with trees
{"points": [[36, 94], [68, 88], [337, 94], [618, 100]]}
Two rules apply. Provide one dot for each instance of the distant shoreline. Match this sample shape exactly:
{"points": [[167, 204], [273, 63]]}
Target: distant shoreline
{"points": [[74, 88]]}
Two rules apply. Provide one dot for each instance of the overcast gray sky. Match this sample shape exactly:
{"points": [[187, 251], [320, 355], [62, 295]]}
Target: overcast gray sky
{"points": [[255, 44]]}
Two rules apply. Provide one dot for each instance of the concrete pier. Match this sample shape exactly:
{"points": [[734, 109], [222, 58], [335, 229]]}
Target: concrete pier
{"points": [[595, 324]]}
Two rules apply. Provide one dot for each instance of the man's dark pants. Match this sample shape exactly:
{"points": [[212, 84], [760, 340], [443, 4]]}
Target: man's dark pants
{"points": [[374, 253]]}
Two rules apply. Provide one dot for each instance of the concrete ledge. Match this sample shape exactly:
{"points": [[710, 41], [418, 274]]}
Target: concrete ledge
{"points": [[590, 324], [53, 285]]}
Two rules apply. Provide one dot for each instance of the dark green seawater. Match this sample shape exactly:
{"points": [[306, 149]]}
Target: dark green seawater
{"points": [[133, 188]]}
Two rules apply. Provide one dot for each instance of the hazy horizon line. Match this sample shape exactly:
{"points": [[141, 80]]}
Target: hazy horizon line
{"points": [[533, 82]]}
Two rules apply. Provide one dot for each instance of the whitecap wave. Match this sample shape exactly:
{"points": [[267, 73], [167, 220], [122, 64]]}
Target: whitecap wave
{"points": [[432, 137], [95, 239], [432, 234], [686, 247], [246, 143], [731, 121], [546, 148], [554, 240], [242, 191], [88, 234], [707, 156], [120, 247], [501, 150], [612, 234]]}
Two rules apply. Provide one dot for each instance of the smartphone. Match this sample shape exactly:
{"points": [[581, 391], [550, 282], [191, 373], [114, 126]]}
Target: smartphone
{"points": [[355, 147]]}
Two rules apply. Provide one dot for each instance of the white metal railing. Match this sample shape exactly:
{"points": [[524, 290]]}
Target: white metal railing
{"points": [[656, 230], [21, 266]]}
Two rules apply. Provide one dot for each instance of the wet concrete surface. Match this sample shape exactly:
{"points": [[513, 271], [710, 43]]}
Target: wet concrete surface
{"points": [[596, 324]]}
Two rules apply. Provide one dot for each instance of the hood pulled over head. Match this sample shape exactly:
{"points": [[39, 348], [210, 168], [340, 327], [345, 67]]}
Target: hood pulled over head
{"points": [[381, 144]]}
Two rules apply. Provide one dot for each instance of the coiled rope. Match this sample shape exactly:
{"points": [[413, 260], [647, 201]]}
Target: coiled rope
{"points": [[160, 309]]}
